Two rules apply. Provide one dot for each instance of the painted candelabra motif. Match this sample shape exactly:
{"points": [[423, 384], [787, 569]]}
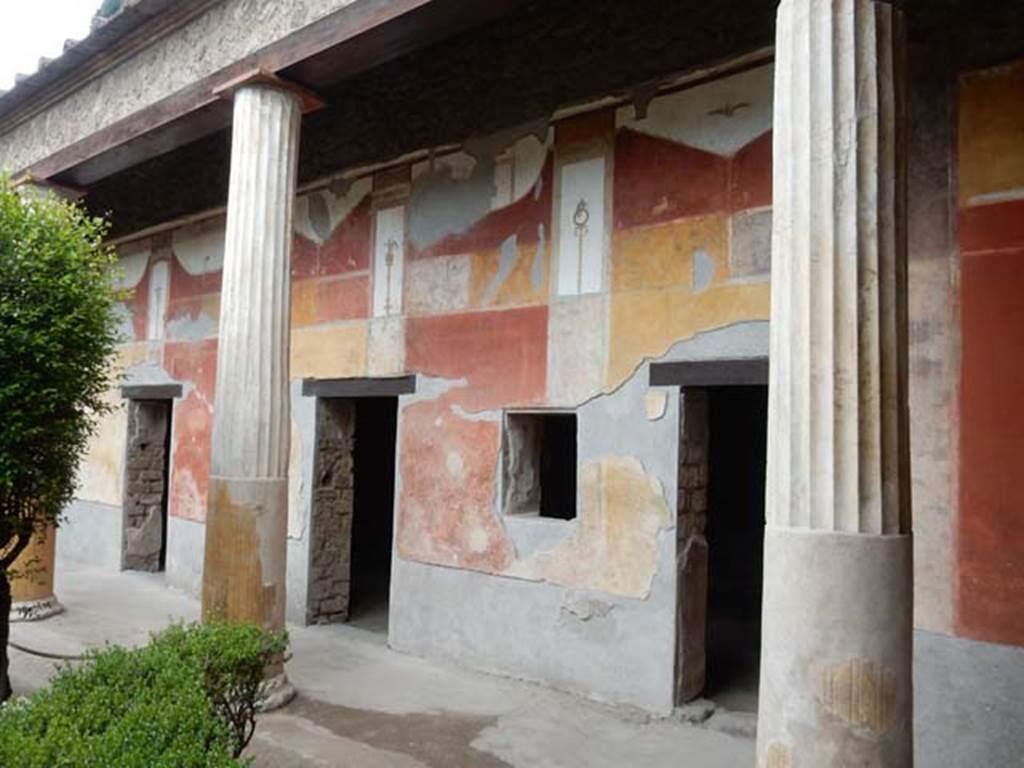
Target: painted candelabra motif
{"points": [[387, 267], [581, 248]]}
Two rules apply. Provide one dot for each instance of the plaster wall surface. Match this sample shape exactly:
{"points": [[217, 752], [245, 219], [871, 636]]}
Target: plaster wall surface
{"points": [[968, 707], [300, 485], [685, 279], [91, 533], [476, 315], [186, 542], [616, 649], [225, 33], [933, 338]]}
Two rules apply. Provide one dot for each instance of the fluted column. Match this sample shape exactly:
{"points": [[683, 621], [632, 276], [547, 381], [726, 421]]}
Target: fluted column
{"points": [[836, 650], [247, 506]]}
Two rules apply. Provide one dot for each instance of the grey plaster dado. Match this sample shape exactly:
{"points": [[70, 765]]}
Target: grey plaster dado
{"points": [[186, 540], [605, 647], [91, 533], [227, 32], [968, 703]]}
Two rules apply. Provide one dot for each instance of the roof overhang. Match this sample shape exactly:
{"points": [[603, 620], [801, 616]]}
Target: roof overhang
{"points": [[317, 57]]}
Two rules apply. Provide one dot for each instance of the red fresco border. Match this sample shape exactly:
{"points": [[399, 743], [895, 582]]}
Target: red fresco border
{"points": [[501, 353]]}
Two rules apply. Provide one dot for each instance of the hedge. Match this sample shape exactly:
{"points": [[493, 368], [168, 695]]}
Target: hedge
{"points": [[186, 700]]}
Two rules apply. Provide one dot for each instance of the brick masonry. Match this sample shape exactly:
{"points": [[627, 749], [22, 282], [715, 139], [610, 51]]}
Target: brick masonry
{"points": [[330, 556], [145, 484]]}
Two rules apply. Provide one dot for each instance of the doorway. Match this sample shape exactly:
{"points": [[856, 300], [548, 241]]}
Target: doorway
{"points": [[352, 520], [738, 420], [723, 433], [147, 472]]}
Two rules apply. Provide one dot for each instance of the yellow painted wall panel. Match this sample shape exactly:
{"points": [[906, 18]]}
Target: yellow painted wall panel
{"points": [[329, 352], [991, 134], [526, 283], [647, 323], [304, 302], [661, 256]]}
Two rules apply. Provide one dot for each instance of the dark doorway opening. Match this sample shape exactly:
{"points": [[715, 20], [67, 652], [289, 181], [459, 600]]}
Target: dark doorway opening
{"points": [[352, 522], [373, 513], [738, 436], [147, 476]]}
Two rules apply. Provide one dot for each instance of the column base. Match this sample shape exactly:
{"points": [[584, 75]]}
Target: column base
{"points": [[836, 650], [35, 610], [276, 692]]}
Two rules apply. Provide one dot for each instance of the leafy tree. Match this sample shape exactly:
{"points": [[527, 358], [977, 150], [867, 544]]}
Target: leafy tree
{"points": [[58, 333]]}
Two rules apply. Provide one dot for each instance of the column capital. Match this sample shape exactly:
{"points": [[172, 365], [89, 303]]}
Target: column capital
{"points": [[309, 101], [29, 184]]}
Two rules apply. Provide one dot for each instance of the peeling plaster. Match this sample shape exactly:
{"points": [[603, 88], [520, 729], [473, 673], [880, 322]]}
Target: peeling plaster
{"points": [[585, 609], [614, 548], [132, 261], [537, 268], [452, 193], [199, 247], [655, 403], [191, 327], [720, 116], [317, 214], [703, 271], [507, 260]]}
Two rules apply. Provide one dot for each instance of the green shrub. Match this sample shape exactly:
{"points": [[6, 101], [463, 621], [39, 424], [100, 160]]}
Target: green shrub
{"points": [[186, 700]]}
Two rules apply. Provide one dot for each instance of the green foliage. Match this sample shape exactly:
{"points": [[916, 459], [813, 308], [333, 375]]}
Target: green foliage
{"points": [[166, 705], [233, 659], [58, 333], [108, 8]]}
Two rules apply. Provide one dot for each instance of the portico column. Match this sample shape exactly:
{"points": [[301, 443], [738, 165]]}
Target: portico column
{"points": [[247, 506], [836, 650]]}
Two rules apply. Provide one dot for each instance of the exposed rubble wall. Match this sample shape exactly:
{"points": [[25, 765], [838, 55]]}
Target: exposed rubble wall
{"points": [[145, 499], [330, 531]]}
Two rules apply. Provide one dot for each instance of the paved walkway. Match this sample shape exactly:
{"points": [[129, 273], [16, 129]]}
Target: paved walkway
{"points": [[365, 706]]}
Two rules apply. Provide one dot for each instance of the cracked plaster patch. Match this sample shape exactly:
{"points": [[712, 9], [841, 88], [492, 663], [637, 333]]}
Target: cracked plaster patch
{"points": [[614, 547]]}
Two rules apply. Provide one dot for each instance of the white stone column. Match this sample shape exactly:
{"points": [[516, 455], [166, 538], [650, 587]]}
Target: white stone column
{"points": [[247, 506], [836, 650]]}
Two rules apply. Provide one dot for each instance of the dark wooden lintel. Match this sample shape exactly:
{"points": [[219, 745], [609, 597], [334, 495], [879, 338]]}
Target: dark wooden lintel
{"points": [[361, 387], [711, 373], [151, 391]]}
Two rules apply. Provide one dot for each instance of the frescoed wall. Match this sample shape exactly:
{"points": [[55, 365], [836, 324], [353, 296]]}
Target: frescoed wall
{"points": [[546, 267], [543, 267]]}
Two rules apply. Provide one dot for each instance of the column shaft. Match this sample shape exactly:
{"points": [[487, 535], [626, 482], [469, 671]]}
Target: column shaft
{"points": [[835, 674], [32, 590], [246, 526]]}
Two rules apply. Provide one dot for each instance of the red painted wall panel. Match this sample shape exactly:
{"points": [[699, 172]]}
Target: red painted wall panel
{"points": [[502, 355], [990, 579]]}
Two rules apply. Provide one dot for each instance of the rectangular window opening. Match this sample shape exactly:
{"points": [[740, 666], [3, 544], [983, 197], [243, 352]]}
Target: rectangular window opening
{"points": [[540, 464]]}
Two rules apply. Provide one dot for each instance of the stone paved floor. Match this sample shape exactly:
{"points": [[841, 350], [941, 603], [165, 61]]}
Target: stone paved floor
{"points": [[362, 705]]}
